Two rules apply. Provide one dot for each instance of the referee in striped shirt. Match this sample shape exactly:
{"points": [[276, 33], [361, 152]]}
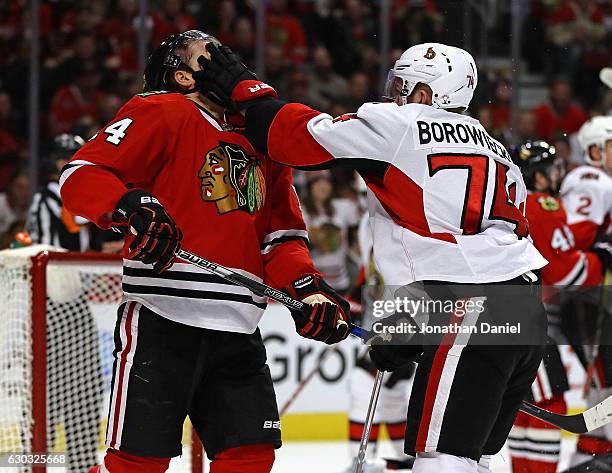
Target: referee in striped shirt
{"points": [[48, 221]]}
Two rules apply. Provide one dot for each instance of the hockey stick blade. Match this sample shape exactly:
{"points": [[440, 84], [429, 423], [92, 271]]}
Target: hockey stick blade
{"points": [[587, 421]]}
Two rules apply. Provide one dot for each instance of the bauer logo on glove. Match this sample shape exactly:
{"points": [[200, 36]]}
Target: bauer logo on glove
{"points": [[156, 237], [325, 316], [226, 80], [258, 87]]}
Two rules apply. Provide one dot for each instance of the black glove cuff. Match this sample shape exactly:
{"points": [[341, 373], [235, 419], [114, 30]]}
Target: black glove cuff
{"points": [[130, 202], [258, 120]]}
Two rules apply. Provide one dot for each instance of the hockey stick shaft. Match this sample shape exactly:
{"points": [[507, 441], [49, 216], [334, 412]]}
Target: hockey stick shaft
{"points": [[587, 421], [367, 428], [255, 287]]}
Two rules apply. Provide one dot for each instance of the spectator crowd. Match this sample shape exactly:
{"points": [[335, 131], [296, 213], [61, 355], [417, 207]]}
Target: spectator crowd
{"points": [[324, 53]]}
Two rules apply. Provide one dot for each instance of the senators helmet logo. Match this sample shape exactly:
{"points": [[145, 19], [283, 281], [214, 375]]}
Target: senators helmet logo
{"points": [[430, 54], [232, 179]]}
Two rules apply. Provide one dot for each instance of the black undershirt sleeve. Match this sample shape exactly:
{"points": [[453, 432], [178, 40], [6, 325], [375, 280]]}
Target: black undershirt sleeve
{"points": [[258, 119]]}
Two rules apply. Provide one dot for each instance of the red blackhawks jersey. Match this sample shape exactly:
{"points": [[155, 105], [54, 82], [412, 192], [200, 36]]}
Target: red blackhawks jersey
{"points": [[234, 206], [587, 195], [445, 200], [554, 238]]}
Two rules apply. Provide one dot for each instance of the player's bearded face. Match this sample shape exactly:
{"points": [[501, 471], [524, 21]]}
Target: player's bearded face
{"points": [[214, 175]]}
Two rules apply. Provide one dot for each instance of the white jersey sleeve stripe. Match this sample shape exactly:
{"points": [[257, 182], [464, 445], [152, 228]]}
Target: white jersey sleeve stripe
{"points": [[284, 233], [71, 168]]}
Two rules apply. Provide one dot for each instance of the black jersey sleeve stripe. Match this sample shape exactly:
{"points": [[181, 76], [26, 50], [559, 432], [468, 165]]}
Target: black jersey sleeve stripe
{"points": [[191, 294], [282, 239], [535, 450], [533, 441], [578, 275]]}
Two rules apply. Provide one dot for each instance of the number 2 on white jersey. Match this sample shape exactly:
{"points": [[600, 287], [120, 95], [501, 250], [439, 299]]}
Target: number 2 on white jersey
{"points": [[116, 131]]}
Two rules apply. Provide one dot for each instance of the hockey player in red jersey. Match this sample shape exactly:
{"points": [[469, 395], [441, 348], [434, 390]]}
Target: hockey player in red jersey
{"points": [[171, 167], [445, 213], [535, 446], [548, 220]]}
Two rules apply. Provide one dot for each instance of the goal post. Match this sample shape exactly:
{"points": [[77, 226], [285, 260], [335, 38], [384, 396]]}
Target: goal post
{"points": [[57, 315]]}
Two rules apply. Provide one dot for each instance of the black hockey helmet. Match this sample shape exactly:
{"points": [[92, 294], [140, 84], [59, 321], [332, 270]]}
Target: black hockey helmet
{"points": [[63, 146], [164, 60], [537, 156]]}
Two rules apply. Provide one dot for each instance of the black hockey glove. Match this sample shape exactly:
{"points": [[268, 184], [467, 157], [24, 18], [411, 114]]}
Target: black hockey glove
{"points": [[227, 81], [325, 317], [156, 236], [393, 357], [391, 350], [603, 251]]}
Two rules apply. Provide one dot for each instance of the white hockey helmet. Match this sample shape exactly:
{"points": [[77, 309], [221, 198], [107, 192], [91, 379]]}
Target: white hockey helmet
{"points": [[450, 72], [595, 132]]}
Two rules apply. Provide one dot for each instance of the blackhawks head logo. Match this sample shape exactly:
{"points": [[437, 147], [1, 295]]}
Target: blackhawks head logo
{"points": [[550, 204], [232, 180]]}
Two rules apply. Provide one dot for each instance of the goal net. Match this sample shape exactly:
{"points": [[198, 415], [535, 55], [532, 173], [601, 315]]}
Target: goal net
{"points": [[57, 316]]}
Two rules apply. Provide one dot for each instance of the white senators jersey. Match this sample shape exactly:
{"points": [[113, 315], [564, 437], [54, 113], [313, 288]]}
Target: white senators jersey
{"points": [[445, 200], [587, 197]]}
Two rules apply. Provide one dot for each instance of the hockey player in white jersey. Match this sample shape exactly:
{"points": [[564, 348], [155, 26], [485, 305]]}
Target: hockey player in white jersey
{"points": [[587, 190], [446, 208]]}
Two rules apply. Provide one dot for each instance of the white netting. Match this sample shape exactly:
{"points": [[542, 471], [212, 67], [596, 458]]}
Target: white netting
{"points": [[15, 353], [82, 300]]}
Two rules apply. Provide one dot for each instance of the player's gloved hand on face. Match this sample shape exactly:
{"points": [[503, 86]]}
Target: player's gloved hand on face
{"points": [[156, 236], [226, 79], [326, 315], [603, 251]]}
